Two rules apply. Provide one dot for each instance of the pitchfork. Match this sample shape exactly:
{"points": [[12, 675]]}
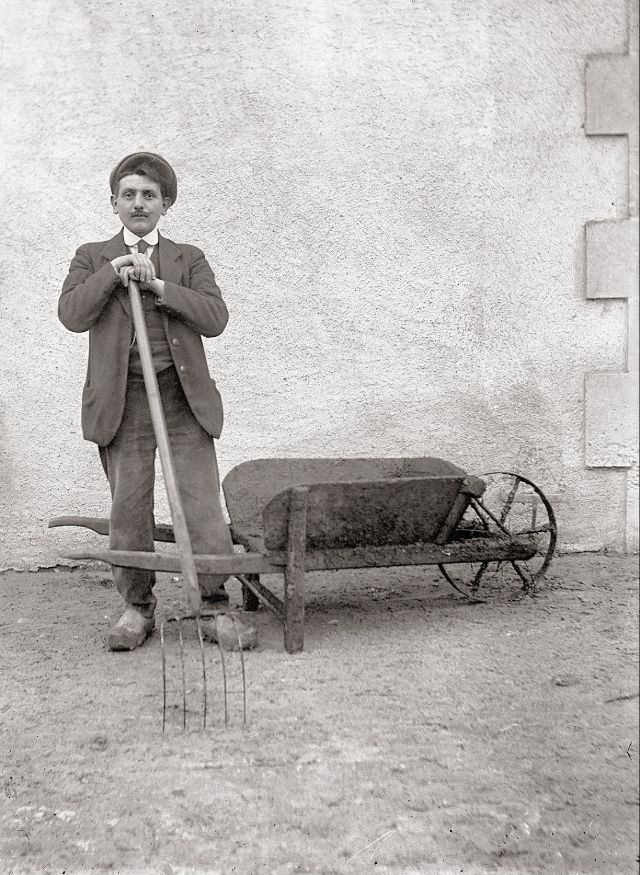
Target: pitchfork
{"points": [[183, 542], [186, 558]]}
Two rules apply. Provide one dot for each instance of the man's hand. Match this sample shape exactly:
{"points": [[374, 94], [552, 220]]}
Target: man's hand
{"points": [[156, 287], [134, 266]]}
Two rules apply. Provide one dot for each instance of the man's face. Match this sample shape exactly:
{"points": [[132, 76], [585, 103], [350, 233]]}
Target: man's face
{"points": [[139, 204]]}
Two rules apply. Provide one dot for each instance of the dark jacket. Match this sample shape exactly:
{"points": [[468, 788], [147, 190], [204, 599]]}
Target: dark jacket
{"points": [[94, 300]]}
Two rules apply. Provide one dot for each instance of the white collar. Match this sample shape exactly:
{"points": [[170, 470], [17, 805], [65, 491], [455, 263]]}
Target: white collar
{"points": [[131, 239]]}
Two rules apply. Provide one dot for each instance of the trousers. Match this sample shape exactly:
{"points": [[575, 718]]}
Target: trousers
{"points": [[129, 462]]}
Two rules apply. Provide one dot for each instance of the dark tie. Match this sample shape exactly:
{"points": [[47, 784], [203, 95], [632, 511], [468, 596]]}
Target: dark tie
{"points": [[142, 248]]}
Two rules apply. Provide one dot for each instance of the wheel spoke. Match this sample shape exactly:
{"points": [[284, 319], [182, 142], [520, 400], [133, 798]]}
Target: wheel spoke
{"points": [[475, 583], [526, 583], [451, 582], [503, 529], [485, 524], [509, 502], [537, 531]]}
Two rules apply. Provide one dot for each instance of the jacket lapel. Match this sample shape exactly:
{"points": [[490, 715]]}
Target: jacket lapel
{"points": [[113, 249], [169, 256]]}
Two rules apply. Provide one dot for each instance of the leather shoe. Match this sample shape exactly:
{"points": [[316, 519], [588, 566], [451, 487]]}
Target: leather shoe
{"points": [[130, 631], [228, 633]]}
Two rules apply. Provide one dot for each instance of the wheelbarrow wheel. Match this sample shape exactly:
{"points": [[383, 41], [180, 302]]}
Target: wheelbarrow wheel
{"points": [[511, 507]]}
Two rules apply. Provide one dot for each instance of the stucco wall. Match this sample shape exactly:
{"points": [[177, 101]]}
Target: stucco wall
{"points": [[393, 196]]}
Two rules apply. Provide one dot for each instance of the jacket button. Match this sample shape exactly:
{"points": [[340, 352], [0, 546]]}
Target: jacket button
{"points": [[182, 369], [175, 341]]}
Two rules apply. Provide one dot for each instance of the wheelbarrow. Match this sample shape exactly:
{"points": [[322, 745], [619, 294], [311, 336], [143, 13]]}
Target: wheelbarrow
{"points": [[317, 514]]}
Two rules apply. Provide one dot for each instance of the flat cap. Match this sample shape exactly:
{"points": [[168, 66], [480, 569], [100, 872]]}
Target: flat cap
{"points": [[156, 168]]}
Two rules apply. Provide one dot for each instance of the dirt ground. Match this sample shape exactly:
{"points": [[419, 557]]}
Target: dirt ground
{"points": [[415, 734]]}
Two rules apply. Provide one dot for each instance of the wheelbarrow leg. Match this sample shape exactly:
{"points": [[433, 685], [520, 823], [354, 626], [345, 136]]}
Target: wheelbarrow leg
{"points": [[294, 610], [250, 601], [294, 570]]}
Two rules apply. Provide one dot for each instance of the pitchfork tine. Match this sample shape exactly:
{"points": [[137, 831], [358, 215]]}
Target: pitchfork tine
{"points": [[224, 673], [244, 684], [184, 680], [204, 674], [164, 678]]}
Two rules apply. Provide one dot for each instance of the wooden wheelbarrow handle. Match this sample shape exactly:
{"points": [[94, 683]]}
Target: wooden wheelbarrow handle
{"points": [[178, 518], [101, 526]]}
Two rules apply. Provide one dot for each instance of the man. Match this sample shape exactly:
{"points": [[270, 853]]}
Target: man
{"points": [[181, 303]]}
